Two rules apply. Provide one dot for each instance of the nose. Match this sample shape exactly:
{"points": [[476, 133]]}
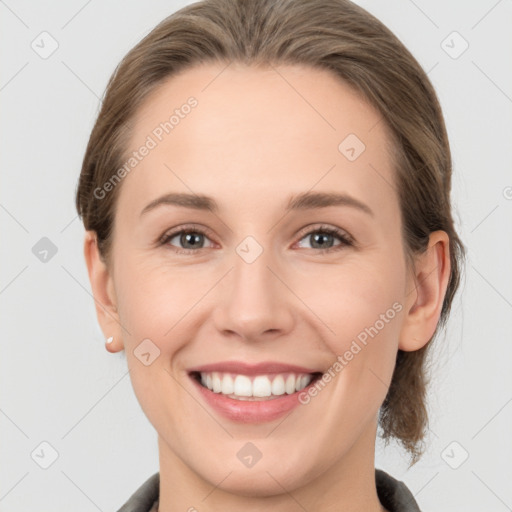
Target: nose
{"points": [[254, 302]]}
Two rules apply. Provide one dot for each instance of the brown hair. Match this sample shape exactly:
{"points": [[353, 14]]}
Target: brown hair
{"points": [[336, 35]]}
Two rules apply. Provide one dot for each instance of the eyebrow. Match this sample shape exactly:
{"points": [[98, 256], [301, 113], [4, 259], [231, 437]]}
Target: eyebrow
{"points": [[312, 200], [303, 201]]}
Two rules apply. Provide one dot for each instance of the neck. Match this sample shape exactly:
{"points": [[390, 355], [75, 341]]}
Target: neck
{"points": [[346, 484]]}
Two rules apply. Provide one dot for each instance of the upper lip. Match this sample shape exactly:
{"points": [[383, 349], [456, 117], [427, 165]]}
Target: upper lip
{"points": [[243, 368]]}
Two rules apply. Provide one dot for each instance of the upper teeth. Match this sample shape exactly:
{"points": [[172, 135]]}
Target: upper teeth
{"points": [[259, 386]]}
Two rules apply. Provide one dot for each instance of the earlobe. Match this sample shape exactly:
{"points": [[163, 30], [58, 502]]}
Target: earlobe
{"points": [[426, 292], [103, 293]]}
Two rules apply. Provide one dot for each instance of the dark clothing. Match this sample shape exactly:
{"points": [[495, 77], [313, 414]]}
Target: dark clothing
{"points": [[393, 494]]}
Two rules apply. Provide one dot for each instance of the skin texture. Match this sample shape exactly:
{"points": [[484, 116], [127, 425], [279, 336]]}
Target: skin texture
{"points": [[256, 137]]}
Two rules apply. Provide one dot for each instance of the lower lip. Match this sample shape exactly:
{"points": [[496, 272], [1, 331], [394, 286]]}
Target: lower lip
{"points": [[247, 411]]}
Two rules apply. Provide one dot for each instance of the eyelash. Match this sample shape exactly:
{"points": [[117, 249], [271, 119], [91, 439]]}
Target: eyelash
{"points": [[343, 237]]}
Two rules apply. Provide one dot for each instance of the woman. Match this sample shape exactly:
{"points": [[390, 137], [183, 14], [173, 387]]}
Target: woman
{"points": [[266, 197]]}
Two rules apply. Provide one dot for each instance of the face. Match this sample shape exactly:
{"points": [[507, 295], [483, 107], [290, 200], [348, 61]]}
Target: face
{"points": [[269, 275]]}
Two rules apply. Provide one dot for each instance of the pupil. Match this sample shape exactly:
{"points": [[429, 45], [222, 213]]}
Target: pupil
{"points": [[188, 237], [321, 237]]}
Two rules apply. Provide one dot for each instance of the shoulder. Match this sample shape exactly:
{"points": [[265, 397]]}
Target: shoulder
{"points": [[393, 494], [145, 498]]}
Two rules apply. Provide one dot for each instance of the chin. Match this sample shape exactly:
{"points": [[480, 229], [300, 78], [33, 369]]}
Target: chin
{"points": [[259, 483]]}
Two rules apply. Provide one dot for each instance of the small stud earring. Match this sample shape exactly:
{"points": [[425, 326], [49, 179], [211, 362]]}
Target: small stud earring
{"points": [[110, 340]]}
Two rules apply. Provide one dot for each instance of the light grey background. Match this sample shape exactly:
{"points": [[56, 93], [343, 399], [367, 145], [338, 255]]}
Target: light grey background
{"points": [[58, 383]]}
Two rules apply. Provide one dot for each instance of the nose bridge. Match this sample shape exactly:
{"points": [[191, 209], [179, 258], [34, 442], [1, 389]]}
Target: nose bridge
{"points": [[252, 280], [251, 274], [254, 300]]}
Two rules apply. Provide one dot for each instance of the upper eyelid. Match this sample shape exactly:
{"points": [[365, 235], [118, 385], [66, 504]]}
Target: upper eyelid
{"points": [[324, 227], [186, 227], [304, 232]]}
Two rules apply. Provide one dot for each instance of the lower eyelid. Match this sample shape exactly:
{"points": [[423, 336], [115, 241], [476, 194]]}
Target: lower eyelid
{"points": [[343, 238], [167, 238]]}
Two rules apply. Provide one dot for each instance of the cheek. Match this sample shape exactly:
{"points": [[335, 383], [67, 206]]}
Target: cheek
{"points": [[157, 297], [360, 306], [363, 307]]}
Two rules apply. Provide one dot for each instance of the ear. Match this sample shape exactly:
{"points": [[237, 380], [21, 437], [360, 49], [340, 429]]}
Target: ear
{"points": [[103, 291], [426, 289]]}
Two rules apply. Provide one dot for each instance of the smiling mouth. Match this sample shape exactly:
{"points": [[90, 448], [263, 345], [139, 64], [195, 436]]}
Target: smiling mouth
{"points": [[255, 387]]}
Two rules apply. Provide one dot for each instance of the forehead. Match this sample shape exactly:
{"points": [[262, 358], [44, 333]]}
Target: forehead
{"points": [[290, 128]]}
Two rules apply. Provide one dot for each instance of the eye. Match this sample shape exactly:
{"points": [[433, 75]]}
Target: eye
{"points": [[190, 238], [323, 236]]}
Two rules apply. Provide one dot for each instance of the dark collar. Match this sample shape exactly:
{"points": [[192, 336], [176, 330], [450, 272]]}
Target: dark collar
{"points": [[392, 493]]}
